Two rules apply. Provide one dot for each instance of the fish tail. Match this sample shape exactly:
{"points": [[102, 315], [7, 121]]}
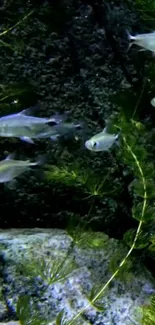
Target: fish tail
{"points": [[131, 39], [41, 159], [129, 36]]}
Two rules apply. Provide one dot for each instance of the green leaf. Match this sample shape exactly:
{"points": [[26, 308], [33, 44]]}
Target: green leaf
{"points": [[88, 239], [124, 273], [148, 313], [148, 215], [27, 312], [97, 303], [142, 241], [50, 269], [60, 320], [137, 187]]}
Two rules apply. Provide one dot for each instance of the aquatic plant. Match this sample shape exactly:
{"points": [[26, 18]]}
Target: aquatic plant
{"points": [[135, 156], [146, 9], [9, 29], [148, 313], [28, 313]]}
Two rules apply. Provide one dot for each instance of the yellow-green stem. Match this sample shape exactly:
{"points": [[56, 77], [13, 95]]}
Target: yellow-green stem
{"points": [[98, 295]]}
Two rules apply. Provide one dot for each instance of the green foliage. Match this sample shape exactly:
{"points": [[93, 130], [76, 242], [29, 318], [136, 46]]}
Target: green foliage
{"points": [[135, 156], [61, 320], [149, 212], [89, 183], [125, 273], [91, 298], [146, 9], [88, 239], [148, 313], [68, 175], [141, 242], [28, 313], [16, 45], [50, 269]]}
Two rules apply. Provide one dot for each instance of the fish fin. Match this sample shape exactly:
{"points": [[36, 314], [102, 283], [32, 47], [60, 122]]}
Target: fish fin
{"points": [[10, 156], [29, 110], [131, 39], [129, 36], [41, 159], [104, 130], [117, 140], [27, 139], [57, 118], [142, 50], [11, 185], [55, 137]]}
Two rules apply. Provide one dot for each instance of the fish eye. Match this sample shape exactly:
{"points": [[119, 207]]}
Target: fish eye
{"points": [[94, 144]]}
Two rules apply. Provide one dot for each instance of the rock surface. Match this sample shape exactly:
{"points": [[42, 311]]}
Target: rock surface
{"points": [[56, 273]]}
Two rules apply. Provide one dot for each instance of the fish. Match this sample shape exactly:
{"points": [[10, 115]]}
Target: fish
{"points": [[146, 41], [102, 141], [26, 127], [54, 131], [11, 168], [153, 101]]}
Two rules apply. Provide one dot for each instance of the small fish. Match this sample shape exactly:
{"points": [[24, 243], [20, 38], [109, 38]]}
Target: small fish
{"points": [[24, 126], [146, 41], [11, 168], [153, 101], [102, 141]]}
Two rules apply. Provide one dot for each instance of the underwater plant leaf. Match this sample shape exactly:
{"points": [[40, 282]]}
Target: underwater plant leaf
{"points": [[149, 170], [149, 212], [124, 273], [56, 270], [2, 43], [151, 247], [60, 320], [17, 24], [146, 8], [148, 313], [27, 312], [142, 241], [138, 189], [50, 270], [59, 270], [88, 239], [66, 175], [98, 304]]}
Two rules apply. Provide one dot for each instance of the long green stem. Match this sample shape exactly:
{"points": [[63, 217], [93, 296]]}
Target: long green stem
{"points": [[18, 23], [98, 295]]}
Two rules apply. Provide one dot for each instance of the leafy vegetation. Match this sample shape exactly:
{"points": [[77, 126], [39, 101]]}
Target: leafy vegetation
{"points": [[148, 313], [133, 158]]}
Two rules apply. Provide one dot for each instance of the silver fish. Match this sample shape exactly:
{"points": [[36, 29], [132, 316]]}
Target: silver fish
{"points": [[24, 126], [102, 141], [11, 168], [55, 131], [146, 41]]}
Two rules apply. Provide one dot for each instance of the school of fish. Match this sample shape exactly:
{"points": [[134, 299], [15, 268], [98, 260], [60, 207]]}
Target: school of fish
{"points": [[29, 128]]}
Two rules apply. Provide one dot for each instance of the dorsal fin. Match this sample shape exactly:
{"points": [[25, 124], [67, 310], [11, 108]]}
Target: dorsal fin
{"points": [[10, 156], [104, 130], [29, 110]]}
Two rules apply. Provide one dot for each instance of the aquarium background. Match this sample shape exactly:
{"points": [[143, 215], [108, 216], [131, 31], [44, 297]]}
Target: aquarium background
{"points": [[73, 56]]}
